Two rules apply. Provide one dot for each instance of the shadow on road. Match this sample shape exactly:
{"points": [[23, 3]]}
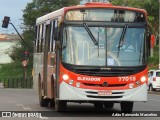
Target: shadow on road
{"points": [[157, 92], [80, 111]]}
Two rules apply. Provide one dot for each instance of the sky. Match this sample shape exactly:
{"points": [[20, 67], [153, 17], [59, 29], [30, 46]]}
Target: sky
{"points": [[13, 9]]}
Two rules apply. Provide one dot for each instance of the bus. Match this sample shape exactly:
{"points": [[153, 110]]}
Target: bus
{"points": [[93, 53]]}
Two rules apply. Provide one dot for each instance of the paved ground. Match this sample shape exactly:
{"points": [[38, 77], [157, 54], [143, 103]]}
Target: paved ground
{"points": [[27, 100]]}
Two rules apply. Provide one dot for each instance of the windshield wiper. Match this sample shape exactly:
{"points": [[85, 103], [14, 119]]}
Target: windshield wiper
{"points": [[121, 41], [88, 30], [90, 33]]}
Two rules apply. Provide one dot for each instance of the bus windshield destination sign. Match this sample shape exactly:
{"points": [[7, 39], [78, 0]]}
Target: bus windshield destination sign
{"points": [[109, 15]]}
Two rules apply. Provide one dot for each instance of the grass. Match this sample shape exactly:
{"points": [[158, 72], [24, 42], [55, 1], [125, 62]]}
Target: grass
{"points": [[14, 70]]}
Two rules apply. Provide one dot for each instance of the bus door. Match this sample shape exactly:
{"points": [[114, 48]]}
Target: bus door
{"points": [[51, 61], [45, 57]]}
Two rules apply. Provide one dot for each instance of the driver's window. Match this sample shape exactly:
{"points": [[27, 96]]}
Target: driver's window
{"points": [[129, 42], [113, 37]]}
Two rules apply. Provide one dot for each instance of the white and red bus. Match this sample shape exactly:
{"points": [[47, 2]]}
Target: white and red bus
{"points": [[95, 53]]}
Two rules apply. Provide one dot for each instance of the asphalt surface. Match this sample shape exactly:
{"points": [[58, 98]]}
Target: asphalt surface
{"points": [[24, 102]]}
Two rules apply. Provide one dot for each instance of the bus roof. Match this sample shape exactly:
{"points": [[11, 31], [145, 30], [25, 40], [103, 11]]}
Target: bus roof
{"points": [[62, 11], [51, 15]]}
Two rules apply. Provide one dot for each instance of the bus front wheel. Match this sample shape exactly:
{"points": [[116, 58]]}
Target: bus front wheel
{"points": [[108, 104], [98, 105], [126, 107], [60, 105]]}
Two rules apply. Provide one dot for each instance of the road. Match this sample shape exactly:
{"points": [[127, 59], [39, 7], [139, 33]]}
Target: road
{"points": [[27, 100]]}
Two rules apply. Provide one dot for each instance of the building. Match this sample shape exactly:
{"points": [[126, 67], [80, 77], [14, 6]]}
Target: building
{"points": [[7, 41]]}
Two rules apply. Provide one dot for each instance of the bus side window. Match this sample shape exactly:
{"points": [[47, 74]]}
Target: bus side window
{"points": [[51, 36], [42, 37], [34, 44], [36, 39], [55, 29], [39, 47], [46, 37]]}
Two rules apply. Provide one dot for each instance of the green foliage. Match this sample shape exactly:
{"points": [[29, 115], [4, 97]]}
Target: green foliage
{"points": [[39, 8], [14, 70], [129, 3], [36, 9], [151, 6], [154, 61], [33, 10]]}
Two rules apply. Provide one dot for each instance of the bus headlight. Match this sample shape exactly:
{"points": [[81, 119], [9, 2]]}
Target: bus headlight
{"points": [[65, 77], [143, 79], [71, 82], [131, 85], [78, 84], [138, 83]]}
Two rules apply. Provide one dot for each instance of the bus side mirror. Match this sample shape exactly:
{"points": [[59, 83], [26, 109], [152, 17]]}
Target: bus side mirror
{"points": [[152, 40], [148, 44]]}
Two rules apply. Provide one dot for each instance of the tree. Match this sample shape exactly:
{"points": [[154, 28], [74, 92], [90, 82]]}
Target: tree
{"points": [[39, 8], [33, 10], [129, 3], [151, 6]]}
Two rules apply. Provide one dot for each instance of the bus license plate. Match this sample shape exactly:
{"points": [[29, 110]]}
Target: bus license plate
{"points": [[104, 93]]}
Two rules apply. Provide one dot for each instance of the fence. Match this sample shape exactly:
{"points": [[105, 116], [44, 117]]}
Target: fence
{"points": [[16, 82]]}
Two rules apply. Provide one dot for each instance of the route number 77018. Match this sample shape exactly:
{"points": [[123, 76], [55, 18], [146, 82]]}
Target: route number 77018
{"points": [[127, 79]]}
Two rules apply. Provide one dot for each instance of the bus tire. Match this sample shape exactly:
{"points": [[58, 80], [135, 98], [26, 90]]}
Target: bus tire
{"points": [[43, 102], [60, 105], [108, 104], [98, 105], [126, 107], [52, 103]]}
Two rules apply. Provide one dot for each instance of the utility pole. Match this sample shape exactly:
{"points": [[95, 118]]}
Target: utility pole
{"points": [[5, 23], [25, 61]]}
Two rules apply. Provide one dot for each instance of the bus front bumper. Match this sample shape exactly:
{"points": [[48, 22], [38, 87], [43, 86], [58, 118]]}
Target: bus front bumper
{"points": [[70, 93]]}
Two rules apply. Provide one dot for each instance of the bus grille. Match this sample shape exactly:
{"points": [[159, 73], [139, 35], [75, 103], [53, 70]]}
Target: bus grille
{"points": [[94, 94], [105, 97]]}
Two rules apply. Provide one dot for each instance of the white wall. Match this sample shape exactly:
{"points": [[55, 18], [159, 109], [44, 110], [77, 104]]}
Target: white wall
{"points": [[5, 47]]}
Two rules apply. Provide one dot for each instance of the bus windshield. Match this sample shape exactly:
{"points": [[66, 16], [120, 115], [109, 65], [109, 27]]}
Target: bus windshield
{"points": [[79, 48]]}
